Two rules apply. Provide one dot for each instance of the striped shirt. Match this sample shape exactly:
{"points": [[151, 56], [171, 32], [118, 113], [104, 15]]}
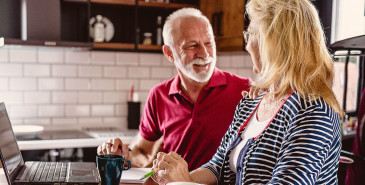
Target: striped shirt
{"points": [[300, 146]]}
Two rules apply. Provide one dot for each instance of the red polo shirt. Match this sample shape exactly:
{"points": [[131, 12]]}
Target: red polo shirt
{"points": [[192, 130]]}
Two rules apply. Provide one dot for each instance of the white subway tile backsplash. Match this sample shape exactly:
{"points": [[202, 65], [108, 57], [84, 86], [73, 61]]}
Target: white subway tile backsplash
{"points": [[238, 61], [115, 72], [148, 59], [127, 85], [50, 84], [51, 111], [103, 58], [4, 55], [4, 84], [127, 59], [138, 72], [122, 109], [23, 83], [11, 97], [99, 84], [90, 71], [64, 121], [77, 110], [37, 121], [121, 122], [102, 110], [161, 72], [143, 96], [50, 56], [78, 84], [77, 57], [166, 62], [223, 61], [42, 85], [16, 121], [64, 97], [23, 55], [37, 70], [64, 70], [9, 70], [148, 84], [247, 61], [37, 97], [90, 97], [246, 73], [115, 97], [91, 121], [23, 111]]}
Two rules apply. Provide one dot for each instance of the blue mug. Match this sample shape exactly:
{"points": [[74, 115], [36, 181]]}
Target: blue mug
{"points": [[110, 168]]}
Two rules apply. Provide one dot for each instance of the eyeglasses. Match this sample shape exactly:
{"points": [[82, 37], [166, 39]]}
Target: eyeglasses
{"points": [[246, 36]]}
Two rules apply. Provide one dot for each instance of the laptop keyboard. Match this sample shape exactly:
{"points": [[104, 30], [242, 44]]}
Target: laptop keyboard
{"points": [[47, 172]]}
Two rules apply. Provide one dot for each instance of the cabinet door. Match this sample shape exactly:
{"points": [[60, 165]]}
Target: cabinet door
{"points": [[227, 21]]}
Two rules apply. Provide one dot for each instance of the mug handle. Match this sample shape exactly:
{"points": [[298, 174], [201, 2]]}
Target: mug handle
{"points": [[129, 165]]}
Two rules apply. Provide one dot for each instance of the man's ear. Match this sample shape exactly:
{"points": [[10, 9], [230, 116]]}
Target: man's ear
{"points": [[168, 53]]}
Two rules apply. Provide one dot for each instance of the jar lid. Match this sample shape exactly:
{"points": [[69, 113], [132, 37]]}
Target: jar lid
{"points": [[147, 34]]}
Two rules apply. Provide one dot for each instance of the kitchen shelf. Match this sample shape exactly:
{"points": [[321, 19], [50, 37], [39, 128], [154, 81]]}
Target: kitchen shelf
{"points": [[140, 3], [105, 45], [165, 5], [115, 2], [150, 47]]}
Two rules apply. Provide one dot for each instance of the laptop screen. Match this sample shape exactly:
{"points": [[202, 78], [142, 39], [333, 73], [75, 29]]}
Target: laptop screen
{"points": [[10, 153]]}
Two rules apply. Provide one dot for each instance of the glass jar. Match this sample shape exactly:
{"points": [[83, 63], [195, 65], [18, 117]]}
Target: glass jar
{"points": [[147, 38]]}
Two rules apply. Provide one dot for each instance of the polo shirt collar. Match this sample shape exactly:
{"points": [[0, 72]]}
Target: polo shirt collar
{"points": [[218, 78]]}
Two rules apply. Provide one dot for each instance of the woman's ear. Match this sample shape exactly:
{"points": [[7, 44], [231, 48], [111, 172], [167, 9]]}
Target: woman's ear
{"points": [[168, 53]]}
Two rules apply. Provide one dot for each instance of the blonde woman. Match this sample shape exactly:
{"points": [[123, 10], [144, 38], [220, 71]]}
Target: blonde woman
{"points": [[290, 134]]}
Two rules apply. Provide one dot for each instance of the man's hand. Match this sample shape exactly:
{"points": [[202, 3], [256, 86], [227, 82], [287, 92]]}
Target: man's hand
{"points": [[114, 146], [171, 167]]}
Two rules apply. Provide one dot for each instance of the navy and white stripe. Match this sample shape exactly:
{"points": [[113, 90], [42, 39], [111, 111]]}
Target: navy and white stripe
{"points": [[300, 146]]}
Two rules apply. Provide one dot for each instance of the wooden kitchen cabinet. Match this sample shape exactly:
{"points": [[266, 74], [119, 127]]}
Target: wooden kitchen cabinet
{"points": [[227, 18], [130, 19]]}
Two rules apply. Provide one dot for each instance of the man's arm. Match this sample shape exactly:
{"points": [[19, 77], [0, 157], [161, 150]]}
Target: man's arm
{"points": [[141, 153]]}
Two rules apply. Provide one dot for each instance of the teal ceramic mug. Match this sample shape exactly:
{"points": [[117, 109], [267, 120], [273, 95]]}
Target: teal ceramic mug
{"points": [[110, 168]]}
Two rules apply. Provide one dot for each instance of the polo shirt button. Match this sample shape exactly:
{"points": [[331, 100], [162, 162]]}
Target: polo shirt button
{"points": [[239, 168]]}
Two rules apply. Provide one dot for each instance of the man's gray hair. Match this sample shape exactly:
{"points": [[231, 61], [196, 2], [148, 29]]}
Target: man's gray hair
{"points": [[181, 13]]}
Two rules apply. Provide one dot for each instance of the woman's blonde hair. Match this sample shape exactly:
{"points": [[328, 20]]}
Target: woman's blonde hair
{"points": [[292, 49]]}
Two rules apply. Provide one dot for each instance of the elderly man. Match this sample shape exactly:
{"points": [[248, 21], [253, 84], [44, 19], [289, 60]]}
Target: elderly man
{"points": [[193, 110]]}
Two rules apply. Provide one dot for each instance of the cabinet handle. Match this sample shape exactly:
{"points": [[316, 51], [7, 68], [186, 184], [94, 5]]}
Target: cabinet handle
{"points": [[217, 23]]}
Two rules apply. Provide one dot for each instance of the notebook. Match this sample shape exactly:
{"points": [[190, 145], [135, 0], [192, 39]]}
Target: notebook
{"points": [[33, 172], [134, 175]]}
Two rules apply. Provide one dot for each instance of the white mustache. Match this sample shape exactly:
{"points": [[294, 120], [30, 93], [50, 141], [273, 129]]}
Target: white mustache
{"points": [[200, 61]]}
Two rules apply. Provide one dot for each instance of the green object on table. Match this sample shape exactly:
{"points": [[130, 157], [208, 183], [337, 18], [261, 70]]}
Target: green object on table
{"points": [[148, 174]]}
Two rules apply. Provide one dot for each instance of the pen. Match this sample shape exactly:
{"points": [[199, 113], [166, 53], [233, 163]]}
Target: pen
{"points": [[147, 175]]}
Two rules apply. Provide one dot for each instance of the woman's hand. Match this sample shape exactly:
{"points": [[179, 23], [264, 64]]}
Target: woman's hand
{"points": [[171, 167], [254, 92]]}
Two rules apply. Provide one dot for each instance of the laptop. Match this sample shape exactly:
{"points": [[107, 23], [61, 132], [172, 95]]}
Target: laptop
{"points": [[36, 172]]}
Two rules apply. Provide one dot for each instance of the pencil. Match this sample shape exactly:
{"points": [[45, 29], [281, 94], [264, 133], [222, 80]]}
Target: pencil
{"points": [[147, 175]]}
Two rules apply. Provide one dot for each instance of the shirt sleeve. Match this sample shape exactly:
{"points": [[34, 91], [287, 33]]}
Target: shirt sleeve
{"points": [[310, 140], [149, 127], [216, 163]]}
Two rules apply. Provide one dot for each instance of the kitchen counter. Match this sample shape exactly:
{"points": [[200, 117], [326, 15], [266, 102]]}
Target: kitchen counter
{"points": [[73, 139]]}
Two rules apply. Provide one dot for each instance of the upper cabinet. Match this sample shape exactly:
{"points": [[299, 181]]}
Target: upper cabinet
{"points": [[227, 18], [124, 24]]}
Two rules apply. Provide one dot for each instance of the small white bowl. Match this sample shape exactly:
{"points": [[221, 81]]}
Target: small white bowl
{"points": [[27, 131]]}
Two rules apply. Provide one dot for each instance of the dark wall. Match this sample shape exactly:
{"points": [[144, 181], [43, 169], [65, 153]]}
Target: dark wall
{"points": [[325, 14], [10, 18]]}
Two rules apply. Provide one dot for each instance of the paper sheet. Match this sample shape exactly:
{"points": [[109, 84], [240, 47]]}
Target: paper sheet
{"points": [[133, 175]]}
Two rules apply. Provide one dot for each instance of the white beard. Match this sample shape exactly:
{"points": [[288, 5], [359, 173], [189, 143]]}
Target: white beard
{"points": [[188, 70]]}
